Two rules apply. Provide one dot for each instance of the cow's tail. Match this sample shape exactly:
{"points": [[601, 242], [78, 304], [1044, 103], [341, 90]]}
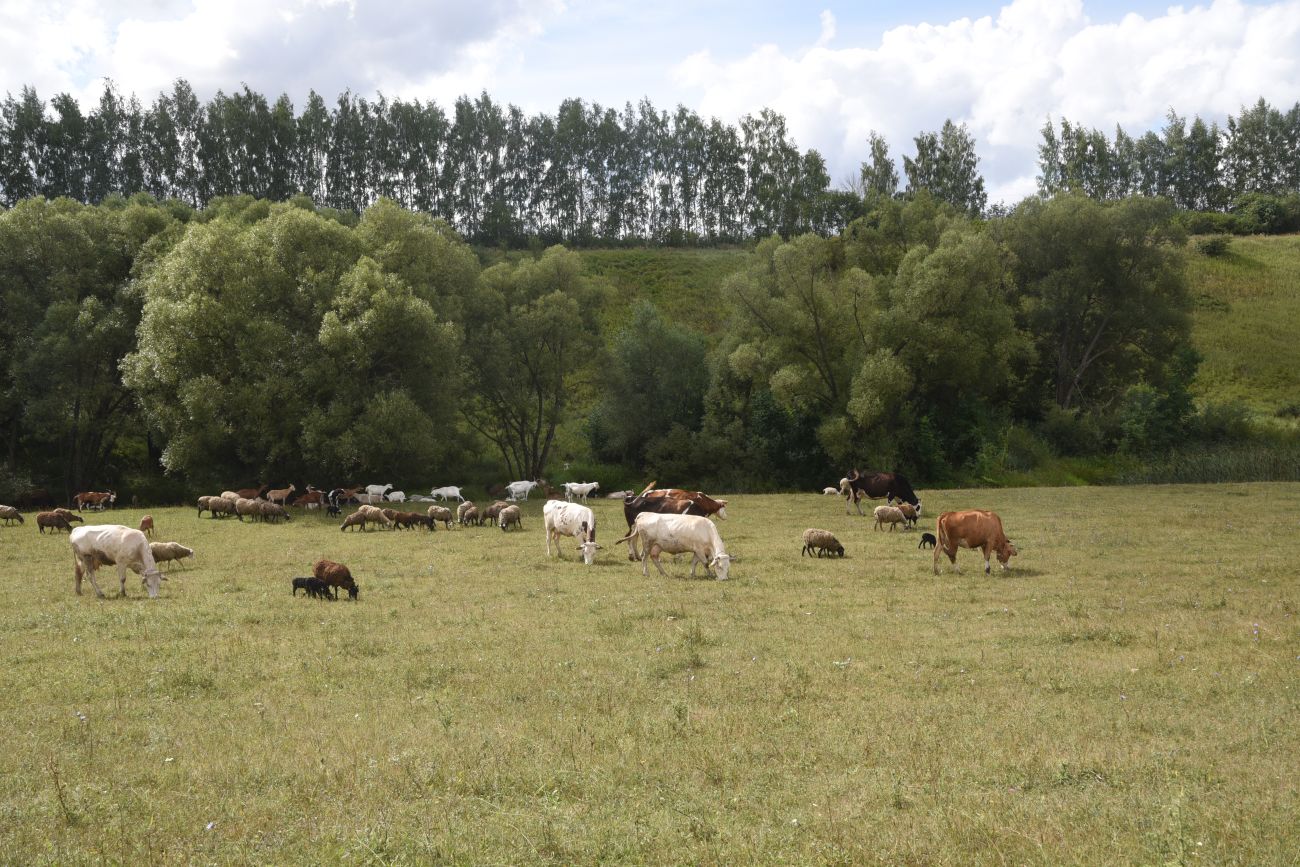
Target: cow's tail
{"points": [[941, 543]]}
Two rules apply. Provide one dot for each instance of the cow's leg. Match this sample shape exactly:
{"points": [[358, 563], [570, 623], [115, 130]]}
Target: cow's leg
{"points": [[121, 577], [985, 549]]}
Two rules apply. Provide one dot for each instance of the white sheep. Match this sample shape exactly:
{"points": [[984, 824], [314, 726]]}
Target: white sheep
{"points": [[510, 516], [396, 496], [165, 552], [890, 515]]}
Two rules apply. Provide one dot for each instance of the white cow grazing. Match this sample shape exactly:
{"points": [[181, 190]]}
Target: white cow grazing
{"points": [[678, 534], [520, 490], [96, 545], [579, 489], [446, 493], [570, 519], [396, 496]]}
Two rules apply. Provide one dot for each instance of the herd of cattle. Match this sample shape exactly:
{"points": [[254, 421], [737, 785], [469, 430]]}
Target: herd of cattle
{"points": [[659, 521]]}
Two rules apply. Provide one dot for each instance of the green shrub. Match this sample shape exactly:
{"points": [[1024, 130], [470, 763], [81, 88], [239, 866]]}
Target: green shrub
{"points": [[1213, 245], [1070, 432], [1207, 222]]}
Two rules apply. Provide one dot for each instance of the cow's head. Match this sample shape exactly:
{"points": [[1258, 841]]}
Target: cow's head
{"points": [[152, 579], [721, 564], [588, 550], [1005, 552], [722, 512]]}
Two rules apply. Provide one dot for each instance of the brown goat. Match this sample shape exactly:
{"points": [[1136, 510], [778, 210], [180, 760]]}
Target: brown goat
{"points": [[146, 525]]}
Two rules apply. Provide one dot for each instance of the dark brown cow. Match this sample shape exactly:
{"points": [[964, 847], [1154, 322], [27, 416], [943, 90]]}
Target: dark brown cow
{"points": [[977, 529]]}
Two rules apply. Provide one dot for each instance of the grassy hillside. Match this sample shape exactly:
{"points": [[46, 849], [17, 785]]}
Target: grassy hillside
{"points": [[682, 283], [1246, 322], [1129, 702]]}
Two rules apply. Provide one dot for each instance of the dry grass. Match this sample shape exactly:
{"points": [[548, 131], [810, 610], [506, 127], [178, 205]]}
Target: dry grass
{"points": [[1127, 694]]}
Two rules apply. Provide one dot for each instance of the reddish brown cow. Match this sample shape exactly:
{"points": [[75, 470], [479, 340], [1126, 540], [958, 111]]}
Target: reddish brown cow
{"points": [[975, 529], [309, 499], [94, 500], [707, 505]]}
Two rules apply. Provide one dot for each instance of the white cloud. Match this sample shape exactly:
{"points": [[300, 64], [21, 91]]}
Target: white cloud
{"points": [[1004, 76]]}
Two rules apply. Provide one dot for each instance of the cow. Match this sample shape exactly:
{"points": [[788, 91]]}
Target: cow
{"points": [[520, 490], [678, 534], [891, 486], [447, 492], [707, 505], [94, 500], [633, 506], [975, 529], [580, 490], [96, 545], [570, 519]]}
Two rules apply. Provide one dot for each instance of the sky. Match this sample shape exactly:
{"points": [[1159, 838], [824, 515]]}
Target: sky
{"points": [[836, 70]]}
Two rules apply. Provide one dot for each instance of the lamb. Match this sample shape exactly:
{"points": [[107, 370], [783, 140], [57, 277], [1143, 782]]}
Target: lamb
{"points": [[510, 516], [820, 542], [442, 513], [464, 507], [471, 517], [272, 512], [890, 515], [280, 494], [335, 575], [9, 513], [927, 541], [146, 525], [315, 587], [165, 552], [53, 520]]}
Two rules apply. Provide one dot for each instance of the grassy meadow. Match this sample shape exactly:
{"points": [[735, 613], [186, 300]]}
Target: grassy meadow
{"points": [[1127, 694]]}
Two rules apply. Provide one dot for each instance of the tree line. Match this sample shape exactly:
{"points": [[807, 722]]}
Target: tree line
{"points": [[1199, 166], [586, 174], [255, 341]]}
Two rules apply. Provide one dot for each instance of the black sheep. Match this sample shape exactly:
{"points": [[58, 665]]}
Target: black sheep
{"points": [[927, 540]]}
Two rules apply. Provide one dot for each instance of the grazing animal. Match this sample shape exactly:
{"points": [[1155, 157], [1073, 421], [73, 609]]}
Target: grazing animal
{"points": [[222, 506], [910, 512], [166, 552], [820, 542], [975, 529], [146, 525], [418, 520], [315, 587], [580, 490], [891, 486], [52, 520], [279, 495], [96, 500], [677, 534], [464, 507], [890, 515], [633, 506], [309, 499], [250, 493], [707, 505], [491, 512], [570, 519], [829, 491], [204, 503], [927, 541], [442, 513], [70, 515], [472, 517], [9, 513], [272, 512], [396, 496], [96, 545], [336, 575], [520, 490], [447, 492], [510, 516]]}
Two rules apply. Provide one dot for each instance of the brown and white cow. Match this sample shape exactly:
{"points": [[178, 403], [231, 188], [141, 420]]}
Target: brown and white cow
{"points": [[977, 529], [94, 500], [706, 504]]}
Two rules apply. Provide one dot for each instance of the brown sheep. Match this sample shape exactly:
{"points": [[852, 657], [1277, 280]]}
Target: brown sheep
{"points": [[9, 513], [70, 515], [470, 517], [441, 513], [510, 516], [336, 575], [491, 512], [53, 520]]}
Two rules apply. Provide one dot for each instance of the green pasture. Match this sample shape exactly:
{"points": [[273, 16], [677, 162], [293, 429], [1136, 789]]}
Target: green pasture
{"points": [[1127, 694]]}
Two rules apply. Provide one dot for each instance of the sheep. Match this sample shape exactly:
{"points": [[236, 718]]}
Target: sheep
{"points": [[828, 491], [909, 511], [9, 513], [357, 518], [395, 496], [315, 587], [53, 520], [442, 513], [230, 495], [335, 575], [820, 542], [222, 506], [510, 516], [418, 520], [491, 512], [364, 515], [272, 511], [70, 515], [927, 541], [165, 552], [251, 508], [406, 520], [146, 525], [890, 515], [471, 517], [391, 515], [464, 507]]}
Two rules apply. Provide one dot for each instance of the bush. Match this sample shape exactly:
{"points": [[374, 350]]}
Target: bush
{"points": [[1213, 245], [1207, 223], [1222, 422], [1264, 214], [1070, 432]]}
